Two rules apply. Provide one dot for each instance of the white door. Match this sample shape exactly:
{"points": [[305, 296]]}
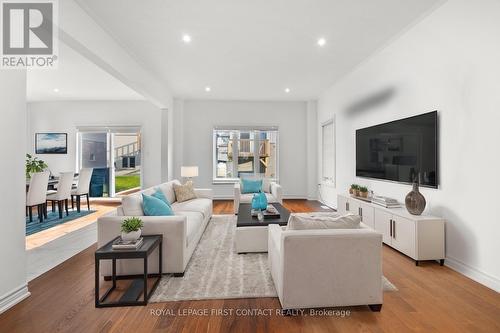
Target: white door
{"points": [[367, 214], [383, 225], [403, 235], [341, 205]]}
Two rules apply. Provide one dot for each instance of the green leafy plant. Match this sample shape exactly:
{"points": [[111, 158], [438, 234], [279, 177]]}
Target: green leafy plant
{"points": [[355, 186], [132, 224], [33, 164], [363, 189]]}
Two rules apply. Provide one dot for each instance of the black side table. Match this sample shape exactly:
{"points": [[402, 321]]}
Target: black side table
{"points": [[139, 284]]}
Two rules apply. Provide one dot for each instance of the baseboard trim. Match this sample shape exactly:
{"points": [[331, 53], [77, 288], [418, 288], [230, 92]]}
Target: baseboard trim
{"points": [[223, 197], [473, 273], [295, 197], [15, 296], [329, 205]]}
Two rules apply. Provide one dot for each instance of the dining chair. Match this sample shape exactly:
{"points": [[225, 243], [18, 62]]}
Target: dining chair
{"points": [[82, 189], [37, 194], [63, 193]]}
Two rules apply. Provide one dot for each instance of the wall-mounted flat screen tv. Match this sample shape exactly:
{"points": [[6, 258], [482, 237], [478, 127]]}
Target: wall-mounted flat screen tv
{"points": [[402, 150]]}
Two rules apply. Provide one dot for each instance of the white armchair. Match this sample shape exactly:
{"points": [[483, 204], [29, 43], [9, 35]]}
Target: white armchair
{"points": [[327, 267], [273, 191]]}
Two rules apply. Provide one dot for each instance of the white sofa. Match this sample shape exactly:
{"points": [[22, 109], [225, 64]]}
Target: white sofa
{"points": [[326, 267], [272, 190], [181, 232]]}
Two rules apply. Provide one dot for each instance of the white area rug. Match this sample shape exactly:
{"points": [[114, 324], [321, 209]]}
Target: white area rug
{"points": [[216, 271]]}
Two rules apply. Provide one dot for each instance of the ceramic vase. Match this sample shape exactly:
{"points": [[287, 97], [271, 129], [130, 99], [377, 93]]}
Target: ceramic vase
{"points": [[131, 236], [260, 216], [259, 201], [415, 201]]}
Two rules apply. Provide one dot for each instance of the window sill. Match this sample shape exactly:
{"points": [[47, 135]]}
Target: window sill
{"points": [[229, 181], [224, 181]]}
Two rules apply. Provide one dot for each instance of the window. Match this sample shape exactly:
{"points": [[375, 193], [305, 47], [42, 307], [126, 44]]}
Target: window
{"points": [[245, 151], [328, 152]]}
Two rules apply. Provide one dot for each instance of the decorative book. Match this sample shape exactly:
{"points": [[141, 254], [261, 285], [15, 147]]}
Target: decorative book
{"points": [[386, 202], [120, 244]]}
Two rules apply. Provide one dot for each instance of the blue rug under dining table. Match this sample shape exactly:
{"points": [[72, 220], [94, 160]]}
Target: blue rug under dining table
{"points": [[52, 220]]}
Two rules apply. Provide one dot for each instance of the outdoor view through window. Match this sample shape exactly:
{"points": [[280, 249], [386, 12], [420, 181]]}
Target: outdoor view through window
{"points": [[245, 151]]}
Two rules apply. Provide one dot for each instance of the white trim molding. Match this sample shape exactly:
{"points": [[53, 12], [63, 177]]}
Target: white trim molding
{"points": [[12, 298], [473, 273]]}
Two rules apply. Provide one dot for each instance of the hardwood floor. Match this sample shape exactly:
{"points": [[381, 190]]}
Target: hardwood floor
{"points": [[45, 236], [431, 298]]}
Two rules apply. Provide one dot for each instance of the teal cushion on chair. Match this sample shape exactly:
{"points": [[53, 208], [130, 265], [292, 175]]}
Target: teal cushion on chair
{"points": [[155, 207], [251, 185]]}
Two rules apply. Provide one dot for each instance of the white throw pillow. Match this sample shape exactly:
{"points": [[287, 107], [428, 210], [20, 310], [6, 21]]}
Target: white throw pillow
{"points": [[307, 221], [168, 190], [132, 205]]}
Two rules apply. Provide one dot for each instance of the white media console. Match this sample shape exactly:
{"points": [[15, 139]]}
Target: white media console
{"points": [[418, 237]]}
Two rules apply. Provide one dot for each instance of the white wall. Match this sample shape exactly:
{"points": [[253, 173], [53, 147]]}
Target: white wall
{"points": [[312, 150], [66, 116], [79, 30], [13, 287], [196, 120], [450, 62]]}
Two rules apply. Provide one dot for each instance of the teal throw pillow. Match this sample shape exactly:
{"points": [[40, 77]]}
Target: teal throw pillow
{"points": [[251, 185], [160, 195], [155, 207]]}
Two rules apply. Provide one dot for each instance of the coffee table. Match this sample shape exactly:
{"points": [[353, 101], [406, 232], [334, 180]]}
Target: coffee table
{"points": [[251, 234]]}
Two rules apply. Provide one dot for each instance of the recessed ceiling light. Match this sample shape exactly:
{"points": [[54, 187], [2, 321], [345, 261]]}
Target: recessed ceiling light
{"points": [[56, 89], [287, 90], [321, 42], [186, 39], [208, 89]]}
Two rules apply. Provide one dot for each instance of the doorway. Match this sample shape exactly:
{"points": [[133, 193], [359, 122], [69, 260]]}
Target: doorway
{"points": [[115, 154], [127, 162]]}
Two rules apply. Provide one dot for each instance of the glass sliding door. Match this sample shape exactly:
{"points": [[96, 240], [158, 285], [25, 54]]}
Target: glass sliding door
{"points": [[115, 155], [127, 161], [95, 151]]}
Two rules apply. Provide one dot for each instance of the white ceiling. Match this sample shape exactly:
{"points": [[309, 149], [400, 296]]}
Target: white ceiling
{"points": [[77, 79], [253, 49]]}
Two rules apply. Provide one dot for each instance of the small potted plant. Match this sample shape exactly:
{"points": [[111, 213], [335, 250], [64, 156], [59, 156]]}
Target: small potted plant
{"points": [[363, 191], [354, 190], [131, 229], [33, 164]]}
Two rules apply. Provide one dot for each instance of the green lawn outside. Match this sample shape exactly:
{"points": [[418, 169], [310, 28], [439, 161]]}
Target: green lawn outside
{"points": [[123, 183]]}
